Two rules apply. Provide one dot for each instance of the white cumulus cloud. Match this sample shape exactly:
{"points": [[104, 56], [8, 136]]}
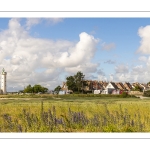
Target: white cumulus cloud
{"points": [[83, 51], [144, 33], [22, 55]]}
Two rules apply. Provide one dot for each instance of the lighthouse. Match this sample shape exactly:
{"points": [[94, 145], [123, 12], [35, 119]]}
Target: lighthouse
{"points": [[3, 81]]}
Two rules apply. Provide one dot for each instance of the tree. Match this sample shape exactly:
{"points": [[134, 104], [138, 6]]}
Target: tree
{"points": [[75, 82], [137, 88], [44, 89], [57, 89], [71, 83], [35, 89], [20, 91], [79, 77], [38, 88], [28, 89]]}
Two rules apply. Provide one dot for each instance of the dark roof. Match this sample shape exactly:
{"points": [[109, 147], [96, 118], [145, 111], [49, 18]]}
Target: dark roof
{"points": [[128, 85], [114, 85], [120, 86]]}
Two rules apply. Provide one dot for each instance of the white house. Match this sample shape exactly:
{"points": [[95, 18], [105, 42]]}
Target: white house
{"points": [[110, 88]]}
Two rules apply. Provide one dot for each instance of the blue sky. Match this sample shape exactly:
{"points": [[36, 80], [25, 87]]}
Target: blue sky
{"points": [[47, 50]]}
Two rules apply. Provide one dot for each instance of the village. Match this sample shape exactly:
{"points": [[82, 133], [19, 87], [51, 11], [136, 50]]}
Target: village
{"points": [[95, 87], [103, 87]]}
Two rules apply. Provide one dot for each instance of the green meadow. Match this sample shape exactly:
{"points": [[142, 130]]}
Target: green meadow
{"points": [[75, 113]]}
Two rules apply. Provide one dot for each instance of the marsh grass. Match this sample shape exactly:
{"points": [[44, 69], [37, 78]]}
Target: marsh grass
{"points": [[75, 114]]}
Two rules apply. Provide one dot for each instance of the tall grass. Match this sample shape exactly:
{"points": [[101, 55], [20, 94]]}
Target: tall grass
{"points": [[66, 115]]}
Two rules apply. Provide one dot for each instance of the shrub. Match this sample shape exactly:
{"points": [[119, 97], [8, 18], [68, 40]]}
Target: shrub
{"points": [[124, 95], [146, 93]]}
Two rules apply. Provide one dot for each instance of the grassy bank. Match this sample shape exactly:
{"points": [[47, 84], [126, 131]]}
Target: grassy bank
{"points": [[124, 95]]}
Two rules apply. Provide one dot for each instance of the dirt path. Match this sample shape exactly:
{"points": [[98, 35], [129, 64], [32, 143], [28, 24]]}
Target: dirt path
{"points": [[141, 97], [2, 98], [21, 98]]}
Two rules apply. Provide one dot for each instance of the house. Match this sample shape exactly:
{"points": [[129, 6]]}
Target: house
{"points": [[138, 86], [117, 91], [121, 86], [110, 88], [128, 86], [148, 85], [114, 88], [64, 89], [145, 87], [62, 92], [97, 86], [91, 86], [88, 85], [103, 84]]}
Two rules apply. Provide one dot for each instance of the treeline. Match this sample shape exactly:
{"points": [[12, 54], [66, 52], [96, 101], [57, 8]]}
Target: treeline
{"points": [[35, 89]]}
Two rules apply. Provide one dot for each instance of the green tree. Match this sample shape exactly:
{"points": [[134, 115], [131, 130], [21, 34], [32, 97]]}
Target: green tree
{"points": [[71, 83], [137, 88], [38, 88], [44, 89], [57, 89], [28, 89], [79, 77], [75, 82], [20, 91], [35, 89]]}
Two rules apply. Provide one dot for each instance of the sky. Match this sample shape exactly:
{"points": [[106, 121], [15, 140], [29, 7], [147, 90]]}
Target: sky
{"points": [[46, 50]]}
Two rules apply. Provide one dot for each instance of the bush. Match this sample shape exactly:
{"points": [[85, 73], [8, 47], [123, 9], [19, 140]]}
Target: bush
{"points": [[124, 95], [146, 93]]}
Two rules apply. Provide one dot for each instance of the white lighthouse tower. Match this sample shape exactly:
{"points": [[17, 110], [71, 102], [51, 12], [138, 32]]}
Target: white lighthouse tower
{"points": [[3, 81]]}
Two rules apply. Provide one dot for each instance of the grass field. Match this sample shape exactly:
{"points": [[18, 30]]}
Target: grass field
{"points": [[74, 114]]}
